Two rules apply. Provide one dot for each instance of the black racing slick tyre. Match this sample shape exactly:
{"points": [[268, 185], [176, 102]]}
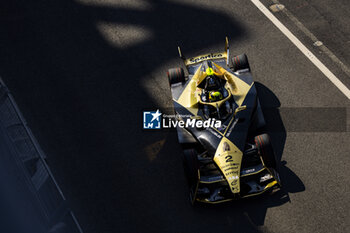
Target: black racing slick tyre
{"points": [[263, 143], [240, 62], [191, 166], [176, 75]]}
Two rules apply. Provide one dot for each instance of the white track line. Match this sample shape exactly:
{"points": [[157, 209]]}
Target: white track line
{"points": [[303, 49], [314, 39]]}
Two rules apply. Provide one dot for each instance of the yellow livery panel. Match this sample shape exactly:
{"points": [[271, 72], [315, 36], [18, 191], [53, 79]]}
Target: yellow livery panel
{"points": [[228, 157]]}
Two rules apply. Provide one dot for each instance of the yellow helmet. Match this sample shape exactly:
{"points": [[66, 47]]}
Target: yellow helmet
{"points": [[209, 71], [215, 96]]}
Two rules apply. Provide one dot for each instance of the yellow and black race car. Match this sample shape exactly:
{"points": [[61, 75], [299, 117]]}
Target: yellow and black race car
{"points": [[227, 160]]}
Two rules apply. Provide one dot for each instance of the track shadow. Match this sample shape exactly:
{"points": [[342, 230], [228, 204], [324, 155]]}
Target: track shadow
{"points": [[256, 207], [274, 124], [82, 97]]}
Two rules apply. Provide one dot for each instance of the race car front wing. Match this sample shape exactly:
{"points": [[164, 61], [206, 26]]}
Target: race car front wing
{"points": [[213, 188]]}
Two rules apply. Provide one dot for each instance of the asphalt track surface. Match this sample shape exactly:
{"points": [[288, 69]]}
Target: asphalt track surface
{"points": [[83, 71]]}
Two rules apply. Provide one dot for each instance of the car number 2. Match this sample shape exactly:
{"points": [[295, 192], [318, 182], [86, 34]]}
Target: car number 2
{"points": [[228, 158]]}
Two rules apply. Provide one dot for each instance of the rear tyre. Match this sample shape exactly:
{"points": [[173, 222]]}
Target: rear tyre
{"points": [[191, 167], [176, 75], [240, 62], [263, 143]]}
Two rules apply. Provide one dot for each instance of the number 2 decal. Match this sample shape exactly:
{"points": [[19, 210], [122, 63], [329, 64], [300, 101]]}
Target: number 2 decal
{"points": [[228, 158]]}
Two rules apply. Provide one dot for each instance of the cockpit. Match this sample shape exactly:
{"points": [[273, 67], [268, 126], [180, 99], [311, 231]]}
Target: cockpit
{"points": [[215, 99]]}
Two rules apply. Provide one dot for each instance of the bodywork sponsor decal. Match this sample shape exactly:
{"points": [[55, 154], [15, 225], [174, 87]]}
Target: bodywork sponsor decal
{"points": [[228, 158], [201, 58]]}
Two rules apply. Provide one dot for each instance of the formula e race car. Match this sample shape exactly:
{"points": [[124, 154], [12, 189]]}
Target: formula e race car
{"points": [[227, 160]]}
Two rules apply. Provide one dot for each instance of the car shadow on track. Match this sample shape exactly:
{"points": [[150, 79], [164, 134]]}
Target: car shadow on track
{"points": [[291, 183], [270, 105]]}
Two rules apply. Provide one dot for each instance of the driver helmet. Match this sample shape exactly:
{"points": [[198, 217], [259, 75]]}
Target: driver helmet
{"points": [[215, 96], [209, 71]]}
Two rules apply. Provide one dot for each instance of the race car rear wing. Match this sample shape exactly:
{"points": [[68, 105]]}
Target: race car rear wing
{"points": [[211, 56]]}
